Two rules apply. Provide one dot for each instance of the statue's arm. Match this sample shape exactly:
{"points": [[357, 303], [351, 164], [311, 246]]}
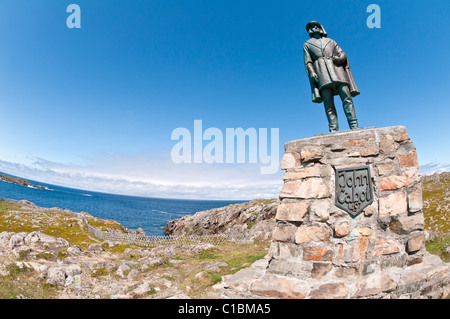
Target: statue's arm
{"points": [[339, 56], [309, 64]]}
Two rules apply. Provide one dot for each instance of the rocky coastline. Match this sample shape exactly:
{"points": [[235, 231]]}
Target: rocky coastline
{"points": [[20, 182], [47, 253], [246, 221]]}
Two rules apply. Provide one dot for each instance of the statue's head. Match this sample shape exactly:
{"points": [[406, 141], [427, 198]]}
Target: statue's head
{"points": [[314, 26]]}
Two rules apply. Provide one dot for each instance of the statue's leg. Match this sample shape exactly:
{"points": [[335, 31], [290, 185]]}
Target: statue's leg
{"points": [[349, 107], [330, 109]]}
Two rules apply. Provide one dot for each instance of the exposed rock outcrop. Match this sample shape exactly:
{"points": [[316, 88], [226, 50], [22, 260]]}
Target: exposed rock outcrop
{"points": [[19, 181], [92, 272], [249, 221]]}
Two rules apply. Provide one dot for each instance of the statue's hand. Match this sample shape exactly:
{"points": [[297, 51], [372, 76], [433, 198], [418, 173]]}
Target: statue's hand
{"points": [[339, 60], [336, 61], [315, 78]]}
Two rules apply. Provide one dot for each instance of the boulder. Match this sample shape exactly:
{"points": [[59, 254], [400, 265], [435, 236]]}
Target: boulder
{"points": [[56, 276], [73, 270], [142, 289], [16, 240], [122, 269]]}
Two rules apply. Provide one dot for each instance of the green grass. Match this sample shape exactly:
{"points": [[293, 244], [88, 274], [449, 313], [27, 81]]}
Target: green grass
{"points": [[7, 206], [21, 284], [236, 256], [438, 246], [436, 199], [56, 223], [436, 210], [12, 289], [101, 272]]}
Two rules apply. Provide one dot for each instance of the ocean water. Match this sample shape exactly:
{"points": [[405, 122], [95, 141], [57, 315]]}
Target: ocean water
{"points": [[151, 214]]}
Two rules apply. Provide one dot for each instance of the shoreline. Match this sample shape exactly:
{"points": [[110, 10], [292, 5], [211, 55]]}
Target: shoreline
{"points": [[49, 253], [20, 182]]}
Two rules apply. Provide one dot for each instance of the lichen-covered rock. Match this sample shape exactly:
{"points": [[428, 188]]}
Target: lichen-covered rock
{"points": [[254, 219], [56, 276]]}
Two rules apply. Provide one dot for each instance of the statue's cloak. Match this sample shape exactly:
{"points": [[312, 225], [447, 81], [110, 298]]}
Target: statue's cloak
{"points": [[325, 58]]}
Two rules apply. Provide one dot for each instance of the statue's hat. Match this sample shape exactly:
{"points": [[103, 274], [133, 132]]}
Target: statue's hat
{"points": [[312, 23]]}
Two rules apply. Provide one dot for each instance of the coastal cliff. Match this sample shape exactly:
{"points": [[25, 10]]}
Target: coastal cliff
{"points": [[19, 181], [249, 221]]}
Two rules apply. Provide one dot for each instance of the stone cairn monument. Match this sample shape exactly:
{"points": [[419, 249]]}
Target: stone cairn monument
{"points": [[350, 222]]}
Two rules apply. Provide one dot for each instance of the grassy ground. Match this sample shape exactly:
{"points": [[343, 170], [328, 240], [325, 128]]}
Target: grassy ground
{"points": [[57, 223], [436, 199], [234, 256], [436, 208], [19, 284]]}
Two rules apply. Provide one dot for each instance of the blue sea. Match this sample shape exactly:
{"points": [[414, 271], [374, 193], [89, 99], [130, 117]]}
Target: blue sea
{"points": [[151, 214]]}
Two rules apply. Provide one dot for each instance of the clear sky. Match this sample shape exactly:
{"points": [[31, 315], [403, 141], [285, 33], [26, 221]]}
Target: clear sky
{"points": [[95, 107]]}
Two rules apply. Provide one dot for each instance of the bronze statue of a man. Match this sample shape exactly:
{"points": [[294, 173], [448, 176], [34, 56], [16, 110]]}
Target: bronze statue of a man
{"points": [[329, 74]]}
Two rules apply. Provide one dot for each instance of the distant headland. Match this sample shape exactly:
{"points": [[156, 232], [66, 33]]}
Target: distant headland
{"points": [[20, 181]]}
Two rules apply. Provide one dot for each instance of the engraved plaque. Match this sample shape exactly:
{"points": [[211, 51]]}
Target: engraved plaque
{"points": [[353, 189]]}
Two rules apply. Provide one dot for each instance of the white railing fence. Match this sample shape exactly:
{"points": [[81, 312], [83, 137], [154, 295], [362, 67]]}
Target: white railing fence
{"points": [[149, 240]]}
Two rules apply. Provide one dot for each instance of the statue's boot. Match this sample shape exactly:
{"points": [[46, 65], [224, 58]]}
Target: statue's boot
{"points": [[353, 124], [349, 107], [349, 110], [333, 123], [330, 110], [333, 127]]}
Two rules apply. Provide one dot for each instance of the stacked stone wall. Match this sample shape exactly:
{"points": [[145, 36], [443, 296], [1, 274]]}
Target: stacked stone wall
{"points": [[329, 252]]}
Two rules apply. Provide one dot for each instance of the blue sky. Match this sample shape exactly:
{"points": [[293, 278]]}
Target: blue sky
{"points": [[94, 108]]}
